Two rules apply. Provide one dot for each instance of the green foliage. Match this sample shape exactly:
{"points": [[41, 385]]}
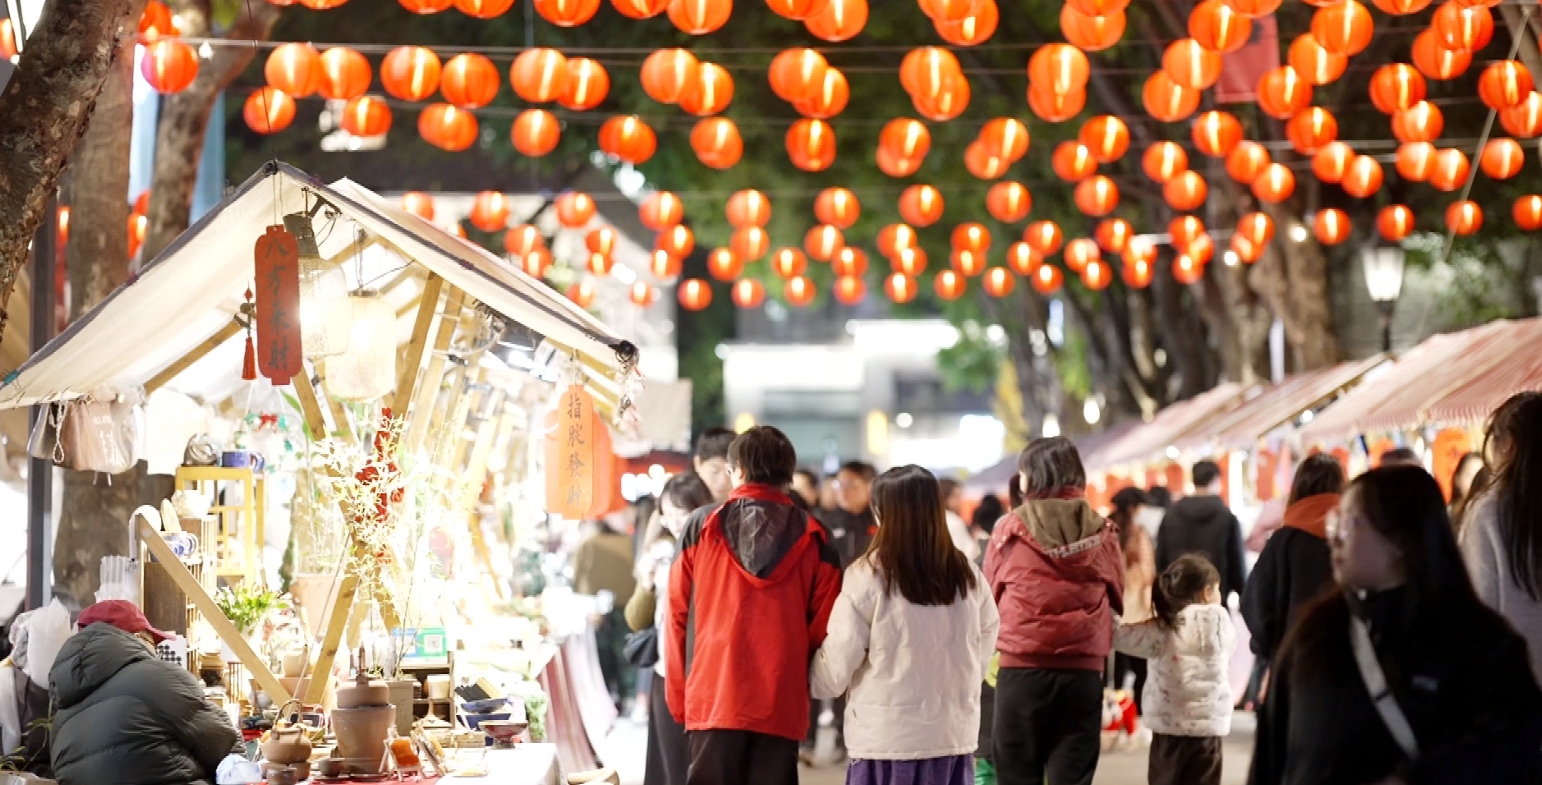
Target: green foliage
{"points": [[1071, 362], [246, 605], [971, 364]]}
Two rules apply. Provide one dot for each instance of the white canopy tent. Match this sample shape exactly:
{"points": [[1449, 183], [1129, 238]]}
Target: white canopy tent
{"points": [[187, 296]]}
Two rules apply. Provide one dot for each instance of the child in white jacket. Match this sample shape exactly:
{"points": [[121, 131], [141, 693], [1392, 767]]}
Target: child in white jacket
{"points": [[1187, 700], [911, 637]]}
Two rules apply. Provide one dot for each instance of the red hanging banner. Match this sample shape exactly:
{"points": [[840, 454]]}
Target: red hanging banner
{"points": [[1243, 68], [571, 455], [1451, 445], [279, 350]]}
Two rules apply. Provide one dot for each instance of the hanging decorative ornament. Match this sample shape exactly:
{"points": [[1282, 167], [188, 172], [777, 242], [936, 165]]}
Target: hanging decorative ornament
{"points": [[601, 241], [535, 132], [694, 294], [949, 285], [1216, 133], [1283, 93], [717, 142], [900, 288], [700, 17], [523, 240], [664, 265], [1005, 137], [998, 282], [710, 92], [1415, 160], [1312, 129], [1219, 28], [1421, 122], [1137, 273], [748, 207], [788, 263], [749, 243], [582, 293], [410, 73], [677, 241], [1097, 275], [447, 127], [1106, 136], [345, 74], [1081, 252], [1437, 61], [629, 139], [1331, 226], [1052, 108], [169, 65], [1464, 218], [1316, 64], [575, 209], [1363, 178], [823, 242], [484, 9], [894, 238], [829, 99], [667, 74], [1527, 212], [1450, 170], [1191, 65], [366, 117], [910, 261], [967, 263], [1184, 231], [1060, 69], [1246, 160], [838, 20], [849, 291], [1331, 162], [1401, 7], [811, 145], [600, 265], [1504, 84], [1048, 279], [1187, 271], [1257, 228], [1043, 237], [1462, 29], [1275, 184], [1022, 258], [1166, 100], [838, 207], [249, 360], [799, 291], [1395, 87], [1163, 160], [643, 294], [490, 211], [640, 9], [1073, 161], [586, 85], [974, 29], [849, 262], [724, 265], [1395, 222], [796, 73], [268, 110], [469, 81], [1113, 234], [1525, 118], [905, 138], [971, 237], [1502, 159], [1344, 28], [294, 68], [419, 204], [921, 205], [1091, 33], [567, 13], [539, 75], [748, 293], [278, 308], [1008, 202], [927, 71], [1186, 192]]}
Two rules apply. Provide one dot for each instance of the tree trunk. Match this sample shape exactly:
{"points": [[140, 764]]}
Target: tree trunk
{"points": [[185, 117], [43, 113], [1292, 278]]}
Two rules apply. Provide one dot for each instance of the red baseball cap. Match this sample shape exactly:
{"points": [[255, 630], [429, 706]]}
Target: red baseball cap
{"points": [[124, 615]]}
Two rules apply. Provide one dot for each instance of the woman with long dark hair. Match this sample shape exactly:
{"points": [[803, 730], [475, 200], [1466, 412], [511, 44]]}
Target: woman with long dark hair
{"points": [[1402, 676], [1502, 533], [1295, 566], [1139, 577], [911, 636], [1465, 486]]}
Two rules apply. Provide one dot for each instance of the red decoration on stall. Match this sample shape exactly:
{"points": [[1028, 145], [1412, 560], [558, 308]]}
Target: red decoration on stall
{"points": [[277, 274]]}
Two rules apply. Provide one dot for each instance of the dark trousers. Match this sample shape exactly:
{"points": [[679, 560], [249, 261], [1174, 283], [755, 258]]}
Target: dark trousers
{"points": [[669, 755], [987, 719], [736, 757], [1124, 665], [1048, 722], [610, 640], [1184, 760], [817, 707]]}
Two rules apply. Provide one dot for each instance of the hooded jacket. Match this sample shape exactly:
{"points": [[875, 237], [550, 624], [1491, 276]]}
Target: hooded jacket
{"points": [[1189, 690], [1203, 525], [1056, 573], [750, 594], [127, 718], [1294, 569]]}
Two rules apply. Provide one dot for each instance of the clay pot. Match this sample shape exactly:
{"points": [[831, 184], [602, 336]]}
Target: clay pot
{"points": [[364, 692], [294, 662], [289, 745], [361, 733]]}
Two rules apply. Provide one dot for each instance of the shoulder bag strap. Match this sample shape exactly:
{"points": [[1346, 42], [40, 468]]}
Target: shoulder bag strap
{"points": [[1376, 683]]}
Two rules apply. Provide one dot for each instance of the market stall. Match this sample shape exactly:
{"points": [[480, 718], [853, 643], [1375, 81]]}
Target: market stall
{"points": [[383, 374]]}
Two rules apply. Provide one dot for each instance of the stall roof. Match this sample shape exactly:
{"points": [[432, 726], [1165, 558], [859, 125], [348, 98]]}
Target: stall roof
{"points": [[1004, 472], [1270, 407], [1151, 440], [1450, 377], [188, 294]]}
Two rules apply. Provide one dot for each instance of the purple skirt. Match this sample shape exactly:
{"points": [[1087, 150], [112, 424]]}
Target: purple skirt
{"points": [[953, 770]]}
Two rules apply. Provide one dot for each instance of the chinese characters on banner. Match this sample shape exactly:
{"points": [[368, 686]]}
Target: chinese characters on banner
{"points": [[571, 455], [279, 351]]}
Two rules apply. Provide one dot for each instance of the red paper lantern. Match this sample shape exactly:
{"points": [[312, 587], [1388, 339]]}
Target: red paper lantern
{"points": [[1316, 64], [749, 243], [1006, 137], [1137, 274], [1331, 226], [1218, 27], [1363, 177], [1246, 160], [838, 20], [1525, 118], [1401, 7], [660, 211], [1043, 237], [974, 29], [1462, 29], [1048, 279], [717, 142], [1097, 275], [575, 209], [905, 138], [1073, 161], [849, 291], [582, 293], [1256, 228], [811, 145], [1421, 122], [900, 287], [1060, 69], [710, 92], [169, 65], [1450, 170], [1283, 93], [796, 73], [1464, 217], [421, 7], [971, 237], [748, 293], [1216, 133], [1184, 231], [294, 68], [823, 242], [521, 240], [1097, 196], [643, 293], [1187, 271], [1191, 65], [1396, 87], [1166, 100], [1415, 161], [419, 204], [1022, 258], [998, 282], [366, 116], [536, 263], [1436, 60], [268, 110], [949, 285], [748, 207], [447, 127], [1502, 158], [1163, 160], [586, 85], [1331, 162], [1504, 84], [1091, 33], [469, 80], [345, 74], [1106, 136], [829, 99], [664, 265], [1081, 252], [849, 263], [838, 207], [724, 265], [1312, 129], [1394, 222], [910, 261], [1053, 108], [699, 17], [539, 75], [788, 262], [567, 13], [1113, 234], [667, 74], [536, 132], [1344, 28], [927, 72], [640, 9], [967, 263], [155, 22], [410, 73], [484, 9], [1008, 202], [678, 241], [601, 240], [600, 264], [799, 291], [921, 205], [694, 294], [1185, 192], [1527, 212], [1275, 184], [628, 138]]}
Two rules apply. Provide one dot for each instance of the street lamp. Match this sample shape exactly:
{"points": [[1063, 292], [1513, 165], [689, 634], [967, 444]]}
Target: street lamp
{"points": [[1384, 280]]}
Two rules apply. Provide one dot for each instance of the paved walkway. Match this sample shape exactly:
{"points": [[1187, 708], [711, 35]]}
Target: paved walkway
{"points": [[626, 750]]}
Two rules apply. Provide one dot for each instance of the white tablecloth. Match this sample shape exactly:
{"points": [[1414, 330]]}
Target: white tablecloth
{"points": [[527, 764]]}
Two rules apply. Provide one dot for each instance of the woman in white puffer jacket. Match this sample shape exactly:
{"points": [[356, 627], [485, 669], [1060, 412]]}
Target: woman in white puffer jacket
{"points": [[1187, 700], [911, 637]]}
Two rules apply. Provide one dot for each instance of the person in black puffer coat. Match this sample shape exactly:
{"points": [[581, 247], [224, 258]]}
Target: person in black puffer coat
{"points": [[1295, 567], [1201, 523], [126, 717]]}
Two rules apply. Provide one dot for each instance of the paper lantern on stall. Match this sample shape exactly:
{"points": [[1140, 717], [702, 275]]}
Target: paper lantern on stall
{"points": [[724, 265], [345, 74], [1059, 69], [294, 68], [1184, 230], [838, 20], [1343, 28], [1415, 161], [664, 265], [575, 209], [788, 263], [849, 290], [1283, 93], [974, 29], [1073, 161], [169, 65], [748, 293], [1450, 169], [628, 138], [1022, 258], [796, 73], [535, 132], [366, 116], [1166, 100], [799, 291], [410, 73], [469, 81], [900, 288], [1044, 237], [1363, 177], [717, 143], [710, 92], [749, 243], [367, 370], [1396, 86], [643, 293], [1219, 28], [1257, 228], [268, 110], [971, 237], [1053, 108], [1216, 133], [586, 85], [1185, 192], [1276, 184], [949, 285], [811, 145], [1079, 253], [1331, 162], [677, 241], [910, 261], [1464, 217], [1006, 137], [447, 127], [419, 204], [1462, 29], [921, 205], [905, 138], [1314, 63], [1312, 129], [640, 9], [1527, 212], [1113, 234], [849, 262], [1106, 136], [1191, 65], [694, 294], [601, 240], [838, 207], [1246, 160], [484, 9], [1331, 226], [567, 13], [1525, 118], [823, 242], [1163, 160], [523, 240], [1435, 60], [1091, 33], [1097, 195], [1504, 84], [699, 17], [829, 99], [1502, 159], [1008, 202], [1048, 279], [1394, 222], [748, 207]]}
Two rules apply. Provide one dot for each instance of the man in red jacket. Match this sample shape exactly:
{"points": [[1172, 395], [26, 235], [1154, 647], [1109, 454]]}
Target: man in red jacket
{"points": [[750, 593]]}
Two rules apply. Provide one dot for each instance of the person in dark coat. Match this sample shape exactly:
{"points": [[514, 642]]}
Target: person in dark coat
{"points": [[1295, 567], [1459, 705], [1203, 524], [126, 717]]}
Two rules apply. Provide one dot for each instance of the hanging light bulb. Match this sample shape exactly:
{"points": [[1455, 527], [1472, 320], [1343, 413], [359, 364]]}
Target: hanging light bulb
{"points": [[367, 370], [325, 321]]}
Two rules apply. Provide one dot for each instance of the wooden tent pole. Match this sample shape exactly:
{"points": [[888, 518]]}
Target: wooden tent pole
{"points": [[198, 353], [425, 392], [406, 382]]}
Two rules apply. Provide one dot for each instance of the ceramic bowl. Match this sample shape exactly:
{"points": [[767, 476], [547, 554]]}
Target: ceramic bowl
{"points": [[474, 721]]}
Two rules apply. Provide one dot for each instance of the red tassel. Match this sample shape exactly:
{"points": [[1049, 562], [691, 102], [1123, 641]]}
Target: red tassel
{"points": [[249, 364]]}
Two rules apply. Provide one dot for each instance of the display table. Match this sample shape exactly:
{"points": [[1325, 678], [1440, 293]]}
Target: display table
{"points": [[527, 764]]}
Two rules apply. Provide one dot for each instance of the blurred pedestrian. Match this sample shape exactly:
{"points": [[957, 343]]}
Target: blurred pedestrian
{"points": [[711, 461], [958, 529], [1139, 578], [1202, 523], [1402, 676], [1295, 566], [911, 637], [604, 564], [1467, 482]]}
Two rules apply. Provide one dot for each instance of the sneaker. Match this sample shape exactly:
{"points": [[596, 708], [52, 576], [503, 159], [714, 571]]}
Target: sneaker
{"points": [[806, 758]]}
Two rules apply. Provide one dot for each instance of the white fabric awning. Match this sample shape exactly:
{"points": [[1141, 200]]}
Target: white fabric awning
{"points": [[189, 293]]}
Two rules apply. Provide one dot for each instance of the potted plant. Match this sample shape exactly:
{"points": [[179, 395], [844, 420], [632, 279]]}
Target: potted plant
{"points": [[246, 606]]}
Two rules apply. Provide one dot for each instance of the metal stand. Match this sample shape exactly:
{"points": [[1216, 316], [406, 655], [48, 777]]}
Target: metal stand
{"points": [[40, 472]]}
